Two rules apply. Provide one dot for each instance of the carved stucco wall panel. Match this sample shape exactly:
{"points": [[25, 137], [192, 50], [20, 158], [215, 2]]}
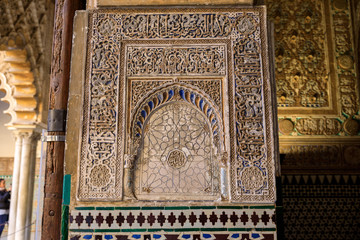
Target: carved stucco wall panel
{"points": [[314, 44], [213, 61], [316, 75], [302, 63]]}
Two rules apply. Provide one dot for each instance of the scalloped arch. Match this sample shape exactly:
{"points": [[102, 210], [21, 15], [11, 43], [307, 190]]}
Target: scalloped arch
{"points": [[17, 81], [8, 96]]}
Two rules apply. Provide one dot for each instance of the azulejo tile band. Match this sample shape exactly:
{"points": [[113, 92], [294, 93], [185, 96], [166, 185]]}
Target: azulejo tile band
{"points": [[253, 235], [171, 219]]}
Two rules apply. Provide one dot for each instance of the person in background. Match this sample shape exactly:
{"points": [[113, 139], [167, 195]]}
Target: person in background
{"points": [[4, 204]]}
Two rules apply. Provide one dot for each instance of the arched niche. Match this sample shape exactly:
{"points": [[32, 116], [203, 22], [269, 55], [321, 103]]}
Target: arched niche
{"points": [[176, 140]]}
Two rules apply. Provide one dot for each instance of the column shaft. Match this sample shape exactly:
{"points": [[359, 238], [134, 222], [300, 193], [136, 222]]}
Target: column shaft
{"points": [[15, 186], [31, 183], [23, 194]]}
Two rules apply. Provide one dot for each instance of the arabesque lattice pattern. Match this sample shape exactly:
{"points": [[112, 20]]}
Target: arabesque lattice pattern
{"points": [[177, 154]]}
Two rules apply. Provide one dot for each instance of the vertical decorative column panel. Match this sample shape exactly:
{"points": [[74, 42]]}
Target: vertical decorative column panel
{"points": [[15, 185]]}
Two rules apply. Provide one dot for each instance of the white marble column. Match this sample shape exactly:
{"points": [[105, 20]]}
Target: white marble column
{"points": [[128, 176], [23, 193], [15, 185], [31, 184], [223, 159]]}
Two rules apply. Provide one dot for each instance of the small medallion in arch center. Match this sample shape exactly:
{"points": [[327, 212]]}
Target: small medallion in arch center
{"points": [[176, 159]]}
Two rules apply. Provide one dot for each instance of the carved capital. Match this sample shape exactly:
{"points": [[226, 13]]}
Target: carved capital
{"points": [[26, 134], [223, 159], [129, 160]]}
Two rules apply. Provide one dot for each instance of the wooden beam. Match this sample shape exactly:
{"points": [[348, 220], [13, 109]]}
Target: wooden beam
{"points": [[59, 87]]}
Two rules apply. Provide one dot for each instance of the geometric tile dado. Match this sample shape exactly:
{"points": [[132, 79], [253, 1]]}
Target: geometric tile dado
{"points": [[137, 219], [253, 235]]}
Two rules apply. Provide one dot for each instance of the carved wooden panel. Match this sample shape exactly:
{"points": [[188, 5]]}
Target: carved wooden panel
{"points": [[177, 98]]}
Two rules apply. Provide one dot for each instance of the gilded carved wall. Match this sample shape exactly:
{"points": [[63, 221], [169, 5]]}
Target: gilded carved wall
{"points": [[317, 84]]}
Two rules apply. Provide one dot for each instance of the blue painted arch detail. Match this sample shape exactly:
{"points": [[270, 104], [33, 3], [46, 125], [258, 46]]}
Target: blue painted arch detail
{"points": [[177, 93]]}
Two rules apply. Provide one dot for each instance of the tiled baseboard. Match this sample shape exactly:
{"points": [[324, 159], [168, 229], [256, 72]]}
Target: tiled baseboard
{"points": [[137, 219], [178, 236]]}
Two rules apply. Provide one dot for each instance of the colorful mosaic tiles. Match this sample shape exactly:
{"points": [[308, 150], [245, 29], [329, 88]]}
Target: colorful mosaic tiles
{"points": [[139, 219], [180, 236]]}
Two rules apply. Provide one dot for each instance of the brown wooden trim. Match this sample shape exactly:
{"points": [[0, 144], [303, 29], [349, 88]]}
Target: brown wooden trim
{"points": [[59, 88]]}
